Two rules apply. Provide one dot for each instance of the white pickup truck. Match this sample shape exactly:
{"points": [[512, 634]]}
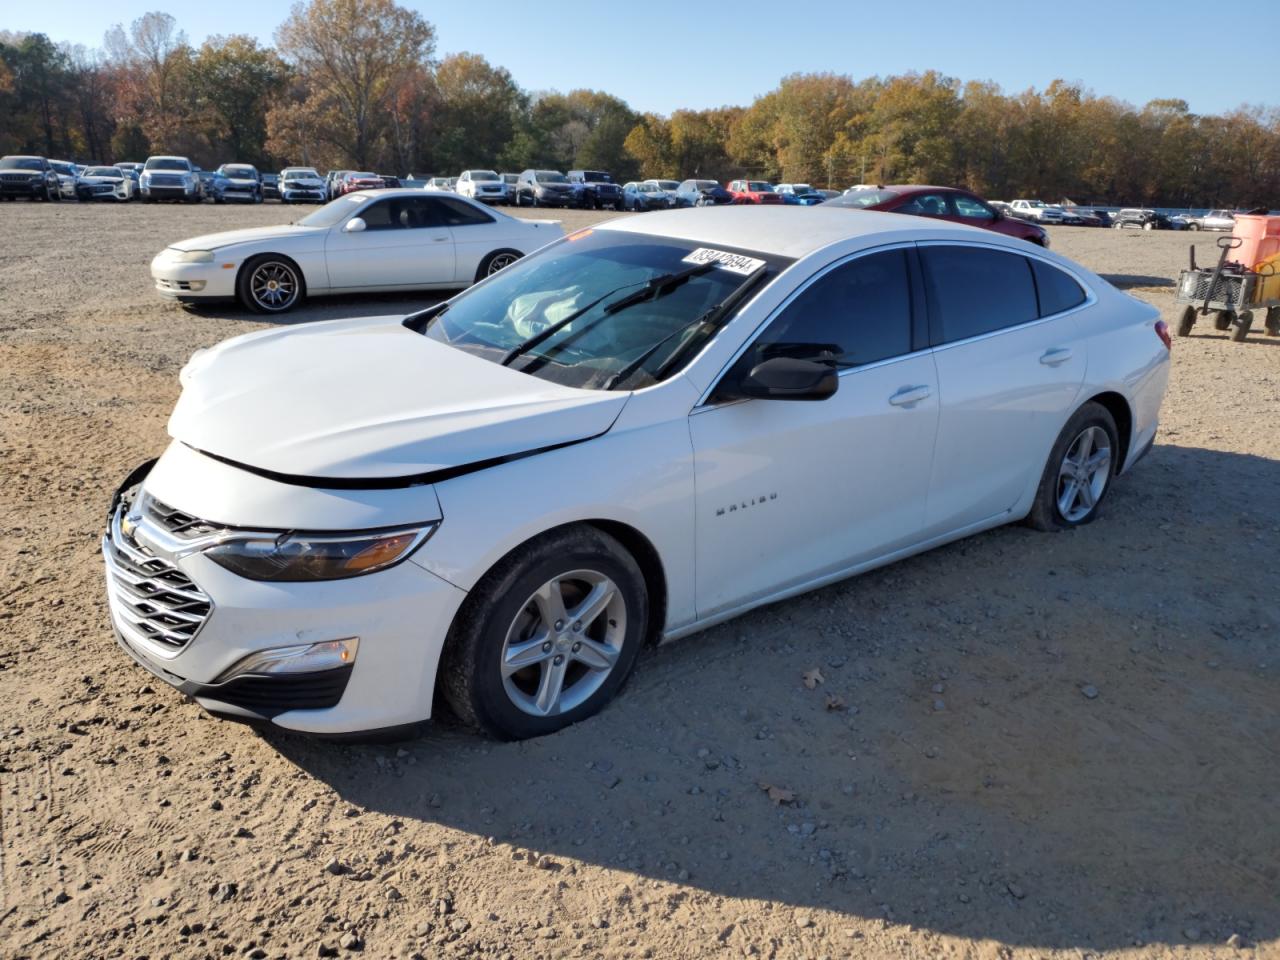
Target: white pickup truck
{"points": [[1037, 210]]}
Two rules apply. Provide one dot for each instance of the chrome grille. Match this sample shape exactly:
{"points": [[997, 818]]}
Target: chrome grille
{"points": [[154, 602], [177, 522], [166, 180]]}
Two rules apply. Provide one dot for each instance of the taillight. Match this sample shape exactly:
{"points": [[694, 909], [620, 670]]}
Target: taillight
{"points": [[1162, 331]]}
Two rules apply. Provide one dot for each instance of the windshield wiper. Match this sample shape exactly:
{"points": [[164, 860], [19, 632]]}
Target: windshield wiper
{"points": [[651, 287], [710, 318]]}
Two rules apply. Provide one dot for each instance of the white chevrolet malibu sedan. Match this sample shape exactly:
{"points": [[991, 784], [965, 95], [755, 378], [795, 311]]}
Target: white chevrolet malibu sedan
{"points": [[644, 429], [365, 242]]}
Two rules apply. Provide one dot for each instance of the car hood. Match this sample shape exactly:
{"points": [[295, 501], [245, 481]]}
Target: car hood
{"points": [[240, 181], [212, 241], [309, 182], [370, 399], [101, 179]]}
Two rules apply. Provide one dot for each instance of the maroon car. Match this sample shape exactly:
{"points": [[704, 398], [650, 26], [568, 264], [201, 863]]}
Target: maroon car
{"points": [[352, 182], [945, 203]]}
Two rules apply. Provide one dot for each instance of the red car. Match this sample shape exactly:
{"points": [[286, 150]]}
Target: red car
{"points": [[361, 181], [753, 191], [945, 203]]}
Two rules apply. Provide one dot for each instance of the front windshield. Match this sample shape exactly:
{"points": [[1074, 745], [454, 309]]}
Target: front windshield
{"points": [[598, 349], [511, 178], [550, 176], [167, 163], [240, 173], [668, 185], [1035, 203], [650, 188], [104, 172], [20, 163], [332, 212], [705, 184], [299, 173], [486, 175], [67, 168], [801, 188], [863, 198], [362, 176], [595, 176], [759, 186]]}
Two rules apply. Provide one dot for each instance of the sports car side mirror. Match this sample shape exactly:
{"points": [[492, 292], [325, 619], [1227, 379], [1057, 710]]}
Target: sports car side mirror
{"points": [[789, 378], [354, 225]]}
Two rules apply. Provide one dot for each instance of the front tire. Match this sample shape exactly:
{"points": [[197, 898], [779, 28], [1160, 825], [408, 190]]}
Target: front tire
{"points": [[1078, 473], [1186, 321], [548, 637], [1244, 322], [270, 284]]}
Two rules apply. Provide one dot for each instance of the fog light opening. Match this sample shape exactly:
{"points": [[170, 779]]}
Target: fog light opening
{"points": [[301, 658]]}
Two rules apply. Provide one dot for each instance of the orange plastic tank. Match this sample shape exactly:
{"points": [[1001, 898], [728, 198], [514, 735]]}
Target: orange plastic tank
{"points": [[1261, 236]]}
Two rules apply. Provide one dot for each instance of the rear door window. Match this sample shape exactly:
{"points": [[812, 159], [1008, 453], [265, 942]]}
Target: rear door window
{"points": [[975, 290]]}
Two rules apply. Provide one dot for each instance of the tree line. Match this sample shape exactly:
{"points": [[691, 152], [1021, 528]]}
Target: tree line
{"points": [[357, 84]]}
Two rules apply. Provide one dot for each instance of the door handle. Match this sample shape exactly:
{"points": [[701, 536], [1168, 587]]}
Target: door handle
{"points": [[440, 239], [909, 395], [1051, 358]]}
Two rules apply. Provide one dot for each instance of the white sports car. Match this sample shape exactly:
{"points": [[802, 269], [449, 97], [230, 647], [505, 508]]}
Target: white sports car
{"points": [[364, 242], [642, 430]]}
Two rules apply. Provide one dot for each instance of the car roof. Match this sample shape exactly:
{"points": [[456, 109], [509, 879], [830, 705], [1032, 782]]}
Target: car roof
{"points": [[786, 231]]}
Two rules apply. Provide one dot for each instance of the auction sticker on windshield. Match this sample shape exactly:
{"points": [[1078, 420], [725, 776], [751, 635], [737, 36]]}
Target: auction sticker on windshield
{"points": [[733, 262]]}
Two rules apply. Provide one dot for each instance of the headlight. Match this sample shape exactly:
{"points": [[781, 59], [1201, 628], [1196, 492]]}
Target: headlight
{"points": [[295, 557], [194, 256]]}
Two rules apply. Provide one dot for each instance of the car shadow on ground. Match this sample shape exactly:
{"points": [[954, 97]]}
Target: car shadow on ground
{"points": [[1060, 741], [341, 307], [1127, 281]]}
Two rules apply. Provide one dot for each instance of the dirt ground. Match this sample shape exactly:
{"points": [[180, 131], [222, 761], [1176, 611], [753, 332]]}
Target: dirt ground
{"points": [[1049, 746]]}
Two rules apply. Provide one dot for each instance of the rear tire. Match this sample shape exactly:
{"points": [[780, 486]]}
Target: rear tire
{"points": [[1222, 320], [1077, 476], [498, 260], [503, 619]]}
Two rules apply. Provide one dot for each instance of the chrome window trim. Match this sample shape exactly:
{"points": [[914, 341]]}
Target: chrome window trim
{"points": [[1090, 298]]}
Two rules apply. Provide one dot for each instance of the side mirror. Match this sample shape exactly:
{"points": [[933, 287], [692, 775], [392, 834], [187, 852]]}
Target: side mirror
{"points": [[354, 225], [788, 378]]}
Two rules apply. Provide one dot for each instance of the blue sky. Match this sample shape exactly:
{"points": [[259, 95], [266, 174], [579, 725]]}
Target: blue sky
{"points": [[661, 55]]}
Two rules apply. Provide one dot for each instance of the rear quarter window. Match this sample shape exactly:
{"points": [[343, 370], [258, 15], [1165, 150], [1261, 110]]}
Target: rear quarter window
{"points": [[1057, 290], [974, 290]]}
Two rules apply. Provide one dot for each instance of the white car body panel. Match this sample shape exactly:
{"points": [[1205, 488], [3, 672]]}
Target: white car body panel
{"points": [[333, 260], [735, 499]]}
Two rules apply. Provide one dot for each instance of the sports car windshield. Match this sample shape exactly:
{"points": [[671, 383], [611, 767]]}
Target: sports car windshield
{"points": [[602, 310], [332, 212], [863, 198]]}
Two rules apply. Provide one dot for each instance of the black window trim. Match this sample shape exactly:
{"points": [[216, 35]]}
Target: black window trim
{"points": [[934, 321], [919, 319]]}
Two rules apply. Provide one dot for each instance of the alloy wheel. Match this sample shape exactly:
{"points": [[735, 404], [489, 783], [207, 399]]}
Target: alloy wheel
{"points": [[500, 261], [273, 286], [1084, 474], [563, 643]]}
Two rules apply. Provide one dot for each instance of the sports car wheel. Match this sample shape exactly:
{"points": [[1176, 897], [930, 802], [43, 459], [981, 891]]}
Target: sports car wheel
{"points": [[1079, 471], [498, 260], [548, 637], [269, 284]]}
